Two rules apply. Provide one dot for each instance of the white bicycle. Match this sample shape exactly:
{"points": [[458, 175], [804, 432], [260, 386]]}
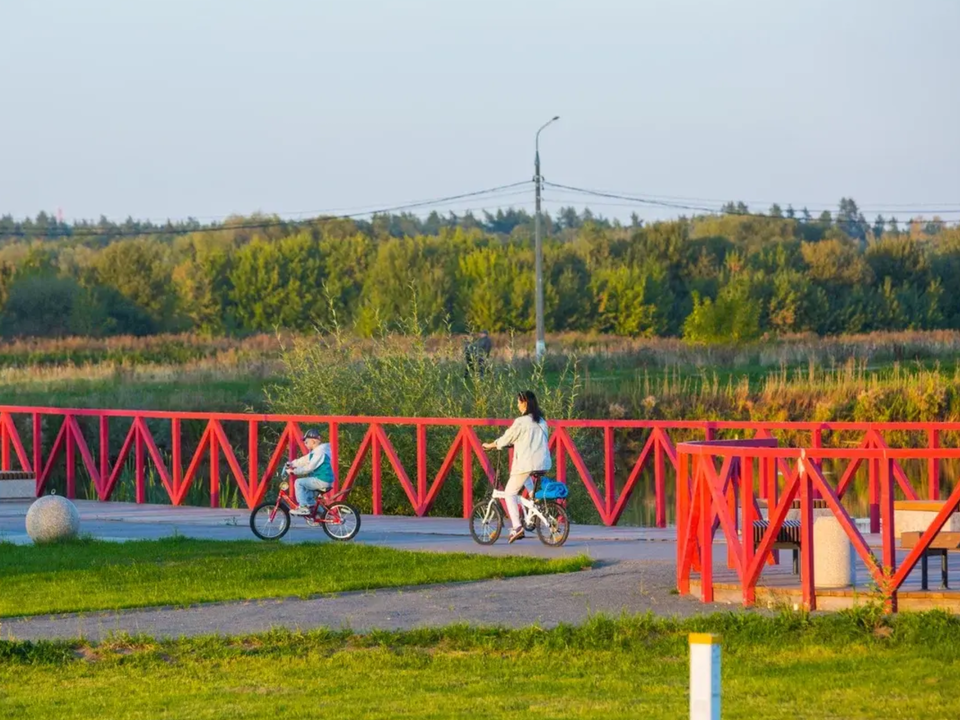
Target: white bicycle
{"points": [[543, 513]]}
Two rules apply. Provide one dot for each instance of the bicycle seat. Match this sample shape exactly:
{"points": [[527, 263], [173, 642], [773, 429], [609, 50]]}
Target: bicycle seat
{"points": [[538, 474]]}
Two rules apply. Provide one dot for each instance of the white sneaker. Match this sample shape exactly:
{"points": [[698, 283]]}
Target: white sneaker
{"points": [[301, 510]]}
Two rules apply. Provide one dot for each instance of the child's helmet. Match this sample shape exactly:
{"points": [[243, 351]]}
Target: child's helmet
{"points": [[311, 434]]}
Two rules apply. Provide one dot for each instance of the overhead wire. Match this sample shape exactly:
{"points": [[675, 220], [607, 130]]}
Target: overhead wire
{"points": [[467, 202], [653, 202], [183, 228]]}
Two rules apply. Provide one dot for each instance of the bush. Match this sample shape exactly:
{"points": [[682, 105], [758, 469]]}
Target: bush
{"points": [[400, 374], [50, 306]]}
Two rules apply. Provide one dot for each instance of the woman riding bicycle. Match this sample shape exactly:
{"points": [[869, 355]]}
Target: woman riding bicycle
{"points": [[531, 453]]}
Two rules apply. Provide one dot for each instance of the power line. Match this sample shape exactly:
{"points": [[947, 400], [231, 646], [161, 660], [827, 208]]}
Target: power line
{"points": [[812, 206], [570, 198], [647, 201], [496, 193], [488, 193]]}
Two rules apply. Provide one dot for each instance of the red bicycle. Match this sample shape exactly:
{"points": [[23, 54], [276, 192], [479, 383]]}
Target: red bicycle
{"points": [[270, 520]]}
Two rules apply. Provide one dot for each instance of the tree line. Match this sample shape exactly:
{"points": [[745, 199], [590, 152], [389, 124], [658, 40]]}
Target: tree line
{"points": [[709, 278]]}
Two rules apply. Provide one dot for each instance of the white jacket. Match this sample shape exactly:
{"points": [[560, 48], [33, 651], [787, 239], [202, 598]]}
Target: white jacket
{"points": [[530, 440], [311, 463]]}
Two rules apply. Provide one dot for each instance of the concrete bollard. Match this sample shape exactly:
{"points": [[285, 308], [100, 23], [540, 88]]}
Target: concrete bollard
{"points": [[832, 554], [704, 676]]}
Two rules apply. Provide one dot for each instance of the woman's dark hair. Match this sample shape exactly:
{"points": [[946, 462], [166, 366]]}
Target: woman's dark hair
{"points": [[533, 407]]}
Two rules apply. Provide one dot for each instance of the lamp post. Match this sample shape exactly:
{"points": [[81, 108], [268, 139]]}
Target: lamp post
{"points": [[538, 245]]}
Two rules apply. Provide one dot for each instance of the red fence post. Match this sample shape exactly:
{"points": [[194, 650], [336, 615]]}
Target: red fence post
{"points": [[37, 448], [933, 466], [817, 443], [104, 427], [807, 582], [253, 459], [421, 466], [4, 447], [467, 479], [377, 491], [749, 515], [683, 510], [140, 474], [887, 532], [71, 453], [561, 462], [335, 454], [609, 474], [660, 484], [214, 471], [706, 534], [732, 499], [874, 480], [176, 460]]}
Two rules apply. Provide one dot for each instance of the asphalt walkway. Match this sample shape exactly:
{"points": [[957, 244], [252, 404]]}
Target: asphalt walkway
{"points": [[635, 573]]}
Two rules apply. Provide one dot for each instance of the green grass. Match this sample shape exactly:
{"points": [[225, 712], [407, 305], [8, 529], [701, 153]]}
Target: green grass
{"points": [[89, 575], [208, 394], [851, 665]]}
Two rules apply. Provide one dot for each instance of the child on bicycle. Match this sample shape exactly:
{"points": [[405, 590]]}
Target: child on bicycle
{"points": [[314, 472], [531, 453]]}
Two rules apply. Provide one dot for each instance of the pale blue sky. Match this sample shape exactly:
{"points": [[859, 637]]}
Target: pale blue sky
{"points": [[176, 108]]}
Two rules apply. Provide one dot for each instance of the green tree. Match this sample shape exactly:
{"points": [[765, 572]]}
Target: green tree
{"points": [[633, 300], [50, 306], [139, 270], [733, 317]]}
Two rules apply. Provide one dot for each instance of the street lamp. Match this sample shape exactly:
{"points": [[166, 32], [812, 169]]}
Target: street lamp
{"points": [[538, 244]]}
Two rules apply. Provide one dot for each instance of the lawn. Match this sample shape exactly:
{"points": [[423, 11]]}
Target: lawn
{"points": [[89, 575], [852, 665]]}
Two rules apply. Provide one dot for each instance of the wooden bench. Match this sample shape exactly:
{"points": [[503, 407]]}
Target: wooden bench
{"points": [[943, 543], [787, 539], [16, 485]]}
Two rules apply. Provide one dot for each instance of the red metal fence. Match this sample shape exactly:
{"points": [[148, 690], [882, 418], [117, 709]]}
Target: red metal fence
{"points": [[724, 498], [274, 437]]}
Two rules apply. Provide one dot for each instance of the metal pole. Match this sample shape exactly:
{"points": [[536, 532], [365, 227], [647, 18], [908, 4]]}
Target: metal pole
{"points": [[538, 246]]}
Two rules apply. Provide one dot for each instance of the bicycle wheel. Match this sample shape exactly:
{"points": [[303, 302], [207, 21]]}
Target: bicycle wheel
{"points": [[266, 528], [554, 532], [342, 521], [486, 523]]}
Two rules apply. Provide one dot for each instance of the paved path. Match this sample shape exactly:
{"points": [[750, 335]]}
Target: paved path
{"points": [[635, 574], [620, 587], [128, 521]]}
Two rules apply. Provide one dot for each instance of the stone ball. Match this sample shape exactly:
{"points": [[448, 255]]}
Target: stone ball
{"points": [[52, 518]]}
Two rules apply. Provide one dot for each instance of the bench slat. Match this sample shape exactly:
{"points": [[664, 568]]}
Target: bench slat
{"points": [[943, 540]]}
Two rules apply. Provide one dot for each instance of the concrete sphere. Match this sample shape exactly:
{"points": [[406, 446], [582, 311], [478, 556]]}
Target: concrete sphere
{"points": [[52, 518]]}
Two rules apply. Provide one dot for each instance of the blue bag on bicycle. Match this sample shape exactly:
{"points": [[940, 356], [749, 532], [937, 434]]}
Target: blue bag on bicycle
{"points": [[551, 490]]}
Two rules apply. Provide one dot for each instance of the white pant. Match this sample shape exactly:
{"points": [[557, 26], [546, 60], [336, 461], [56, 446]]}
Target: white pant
{"points": [[307, 489], [514, 485]]}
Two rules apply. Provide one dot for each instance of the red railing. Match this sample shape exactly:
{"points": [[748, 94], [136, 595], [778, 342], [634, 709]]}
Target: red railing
{"points": [[23, 427], [712, 499]]}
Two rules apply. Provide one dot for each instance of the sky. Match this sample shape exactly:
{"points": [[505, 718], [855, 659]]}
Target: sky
{"points": [[204, 108]]}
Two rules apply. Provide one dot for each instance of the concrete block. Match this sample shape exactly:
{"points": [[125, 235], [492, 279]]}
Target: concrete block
{"points": [[18, 489]]}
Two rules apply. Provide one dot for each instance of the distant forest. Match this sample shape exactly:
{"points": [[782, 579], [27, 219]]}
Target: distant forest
{"points": [[734, 276]]}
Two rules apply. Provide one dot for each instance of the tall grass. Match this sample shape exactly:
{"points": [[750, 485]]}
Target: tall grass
{"points": [[595, 351], [406, 374], [410, 373]]}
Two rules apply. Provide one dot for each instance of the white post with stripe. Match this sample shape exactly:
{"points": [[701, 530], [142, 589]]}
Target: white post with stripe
{"points": [[704, 676]]}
